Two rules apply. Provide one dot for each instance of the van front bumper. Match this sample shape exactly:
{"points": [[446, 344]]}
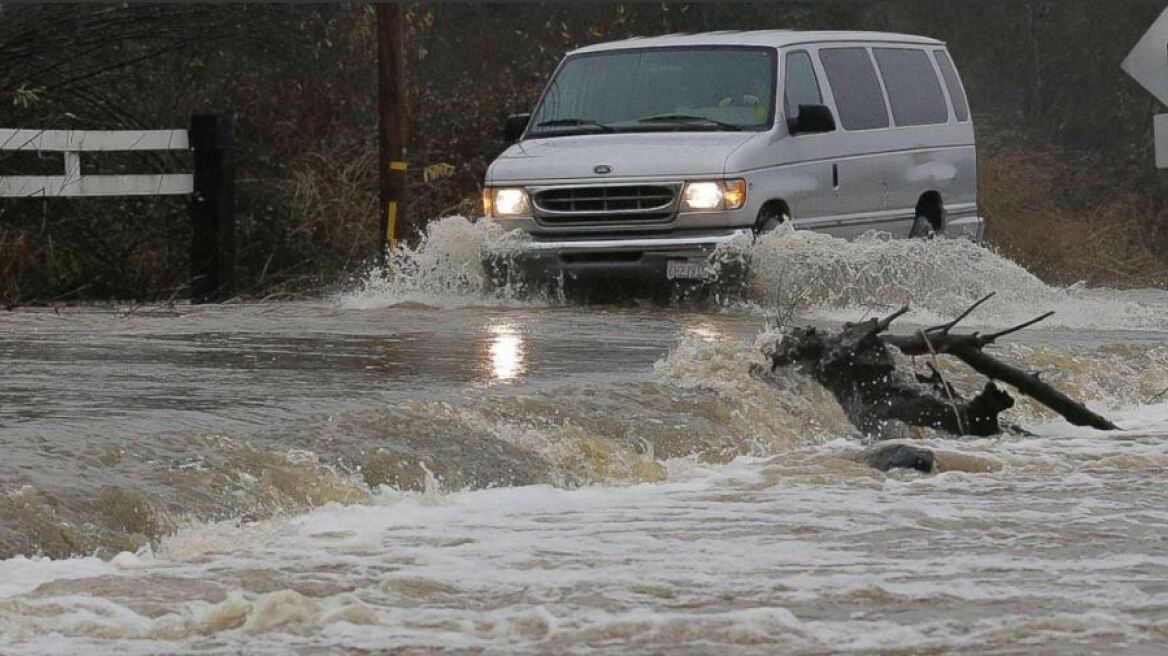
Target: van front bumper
{"points": [[636, 257]]}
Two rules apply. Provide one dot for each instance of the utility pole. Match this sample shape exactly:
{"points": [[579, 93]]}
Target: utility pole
{"points": [[392, 124]]}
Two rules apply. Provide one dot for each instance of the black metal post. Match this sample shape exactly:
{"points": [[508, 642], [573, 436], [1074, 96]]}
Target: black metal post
{"points": [[212, 209]]}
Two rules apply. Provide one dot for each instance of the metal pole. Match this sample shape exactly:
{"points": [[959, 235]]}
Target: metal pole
{"points": [[393, 121]]}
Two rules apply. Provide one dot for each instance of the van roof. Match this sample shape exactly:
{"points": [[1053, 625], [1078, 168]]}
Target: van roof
{"points": [[772, 38]]}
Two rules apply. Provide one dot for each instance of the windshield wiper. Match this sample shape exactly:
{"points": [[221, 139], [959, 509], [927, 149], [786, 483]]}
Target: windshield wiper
{"points": [[575, 122], [689, 118]]}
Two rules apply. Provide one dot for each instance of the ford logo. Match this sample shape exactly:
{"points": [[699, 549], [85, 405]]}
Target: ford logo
{"points": [[602, 169]]}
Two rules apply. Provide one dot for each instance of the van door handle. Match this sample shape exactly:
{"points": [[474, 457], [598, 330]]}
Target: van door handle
{"points": [[835, 176]]}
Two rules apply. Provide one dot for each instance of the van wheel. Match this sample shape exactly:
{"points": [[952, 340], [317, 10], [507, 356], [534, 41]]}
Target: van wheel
{"points": [[770, 218], [922, 228]]}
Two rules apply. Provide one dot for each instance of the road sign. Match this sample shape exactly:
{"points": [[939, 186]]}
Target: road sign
{"points": [[1160, 134], [1147, 63]]}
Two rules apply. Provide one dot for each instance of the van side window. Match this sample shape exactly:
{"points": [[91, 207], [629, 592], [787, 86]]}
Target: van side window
{"points": [[913, 89], [856, 88], [956, 92], [800, 87]]}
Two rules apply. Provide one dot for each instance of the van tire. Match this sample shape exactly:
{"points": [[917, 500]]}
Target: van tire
{"points": [[930, 217], [922, 228], [770, 217]]}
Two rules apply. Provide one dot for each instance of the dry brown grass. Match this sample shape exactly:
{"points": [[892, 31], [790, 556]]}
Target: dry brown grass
{"points": [[1035, 219], [311, 227], [334, 203], [331, 225]]}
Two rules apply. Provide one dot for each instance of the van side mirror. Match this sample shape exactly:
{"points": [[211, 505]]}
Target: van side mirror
{"points": [[812, 118], [514, 127]]}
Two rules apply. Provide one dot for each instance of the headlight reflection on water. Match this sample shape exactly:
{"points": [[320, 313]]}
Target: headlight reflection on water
{"points": [[505, 350]]}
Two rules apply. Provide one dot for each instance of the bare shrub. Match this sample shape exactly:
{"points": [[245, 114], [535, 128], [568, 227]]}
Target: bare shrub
{"points": [[334, 205], [1035, 218]]}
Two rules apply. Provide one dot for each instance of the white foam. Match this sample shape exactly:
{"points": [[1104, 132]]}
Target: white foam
{"points": [[804, 550], [22, 574], [937, 278], [817, 275], [445, 269]]}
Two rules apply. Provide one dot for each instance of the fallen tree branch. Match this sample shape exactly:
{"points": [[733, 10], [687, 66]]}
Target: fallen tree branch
{"points": [[1031, 385], [992, 337], [946, 327], [950, 393], [859, 370], [883, 324], [917, 344], [855, 365], [968, 349]]}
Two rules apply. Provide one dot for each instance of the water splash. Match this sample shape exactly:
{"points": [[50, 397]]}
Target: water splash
{"points": [[836, 278], [445, 269], [795, 272]]}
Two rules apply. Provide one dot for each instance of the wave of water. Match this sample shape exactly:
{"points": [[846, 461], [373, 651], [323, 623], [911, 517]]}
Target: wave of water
{"points": [[805, 552], [699, 401]]}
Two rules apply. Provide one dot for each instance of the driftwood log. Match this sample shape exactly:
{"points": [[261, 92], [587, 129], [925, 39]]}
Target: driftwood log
{"points": [[857, 367]]}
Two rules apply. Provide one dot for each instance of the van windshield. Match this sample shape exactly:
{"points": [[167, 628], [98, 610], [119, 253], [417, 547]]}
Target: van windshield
{"points": [[650, 90]]}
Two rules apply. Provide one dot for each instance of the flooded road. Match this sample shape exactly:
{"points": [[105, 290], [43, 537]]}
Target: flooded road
{"points": [[424, 464]]}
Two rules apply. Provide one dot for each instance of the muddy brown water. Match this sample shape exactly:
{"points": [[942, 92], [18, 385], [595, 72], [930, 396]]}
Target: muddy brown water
{"points": [[420, 466]]}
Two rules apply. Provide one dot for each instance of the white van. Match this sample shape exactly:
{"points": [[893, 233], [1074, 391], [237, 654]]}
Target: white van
{"points": [[643, 155]]}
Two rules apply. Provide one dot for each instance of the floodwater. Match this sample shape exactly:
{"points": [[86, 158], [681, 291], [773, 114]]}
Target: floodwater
{"points": [[432, 464]]}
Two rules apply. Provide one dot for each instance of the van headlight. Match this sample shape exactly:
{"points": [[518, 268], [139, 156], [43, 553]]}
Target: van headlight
{"points": [[506, 202], [714, 194]]}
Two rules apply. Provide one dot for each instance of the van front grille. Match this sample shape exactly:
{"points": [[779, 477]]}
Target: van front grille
{"points": [[581, 218], [606, 204]]}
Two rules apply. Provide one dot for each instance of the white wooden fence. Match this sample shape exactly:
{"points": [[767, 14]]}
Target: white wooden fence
{"points": [[74, 142], [209, 188]]}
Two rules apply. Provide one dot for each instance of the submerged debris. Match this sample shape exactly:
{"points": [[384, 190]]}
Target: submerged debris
{"points": [[900, 456], [855, 364]]}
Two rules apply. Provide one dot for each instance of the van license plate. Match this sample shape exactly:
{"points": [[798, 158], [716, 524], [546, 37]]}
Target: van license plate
{"points": [[686, 269]]}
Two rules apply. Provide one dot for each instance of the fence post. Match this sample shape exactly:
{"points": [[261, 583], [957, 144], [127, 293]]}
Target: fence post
{"points": [[212, 209]]}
